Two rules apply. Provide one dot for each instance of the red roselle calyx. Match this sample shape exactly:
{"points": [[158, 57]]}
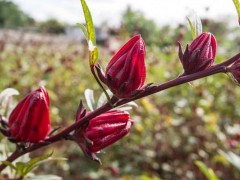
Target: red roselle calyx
{"points": [[102, 131], [126, 72], [29, 121], [200, 54]]}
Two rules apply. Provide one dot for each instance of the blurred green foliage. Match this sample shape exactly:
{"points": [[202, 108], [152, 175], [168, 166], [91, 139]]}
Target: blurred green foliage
{"points": [[11, 16], [173, 129], [135, 22], [51, 26]]}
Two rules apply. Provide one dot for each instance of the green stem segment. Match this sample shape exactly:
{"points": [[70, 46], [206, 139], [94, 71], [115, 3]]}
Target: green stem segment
{"points": [[100, 84]]}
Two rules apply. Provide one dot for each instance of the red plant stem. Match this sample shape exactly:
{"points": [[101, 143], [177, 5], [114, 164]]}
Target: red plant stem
{"points": [[220, 68], [176, 82]]}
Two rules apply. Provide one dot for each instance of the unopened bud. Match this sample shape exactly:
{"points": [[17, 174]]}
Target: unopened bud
{"points": [[126, 72], [29, 121], [199, 55], [102, 131]]}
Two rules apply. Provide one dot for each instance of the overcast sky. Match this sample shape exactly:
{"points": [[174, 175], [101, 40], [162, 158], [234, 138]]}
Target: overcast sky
{"points": [[161, 11]]}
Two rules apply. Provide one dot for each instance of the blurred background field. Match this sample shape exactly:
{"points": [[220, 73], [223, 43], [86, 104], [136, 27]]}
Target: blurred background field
{"points": [[173, 129]]}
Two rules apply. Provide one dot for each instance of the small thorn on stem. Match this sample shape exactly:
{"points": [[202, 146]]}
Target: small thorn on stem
{"points": [[54, 130]]}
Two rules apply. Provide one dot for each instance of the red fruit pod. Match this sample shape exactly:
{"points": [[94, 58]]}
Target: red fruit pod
{"points": [[30, 119], [126, 72], [200, 54], [104, 130]]}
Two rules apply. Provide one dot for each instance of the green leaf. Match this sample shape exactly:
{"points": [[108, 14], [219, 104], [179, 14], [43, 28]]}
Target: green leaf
{"points": [[144, 177], [84, 30], [9, 164], [237, 5], [25, 168], [46, 160], [192, 28], [90, 33], [195, 25], [94, 55], [20, 168], [208, 172], [38, 159], [89, 22]]}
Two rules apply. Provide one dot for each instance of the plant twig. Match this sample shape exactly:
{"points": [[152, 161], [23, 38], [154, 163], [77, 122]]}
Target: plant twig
{"points": [[100, 84]]}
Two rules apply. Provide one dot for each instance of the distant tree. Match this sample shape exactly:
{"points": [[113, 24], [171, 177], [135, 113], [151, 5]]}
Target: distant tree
{"points": [[11, 16], [52, 26], [135, 22]]}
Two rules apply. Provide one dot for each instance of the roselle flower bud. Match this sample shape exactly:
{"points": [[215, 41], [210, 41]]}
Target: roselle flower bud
{"points": [[102, 131], [29, 121], [126, 72], [234, 70], [107, 128], [200, 54]]}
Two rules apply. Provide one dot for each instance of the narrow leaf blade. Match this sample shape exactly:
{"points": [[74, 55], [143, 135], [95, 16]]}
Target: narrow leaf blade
{"points": [[94, 56], [20, 168], [46, 160], [9, 164], [32, 163], [208, 172], [89, 22], [192, 28], [195, 24], [84, 30], [237, 5], [91, 33]]}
